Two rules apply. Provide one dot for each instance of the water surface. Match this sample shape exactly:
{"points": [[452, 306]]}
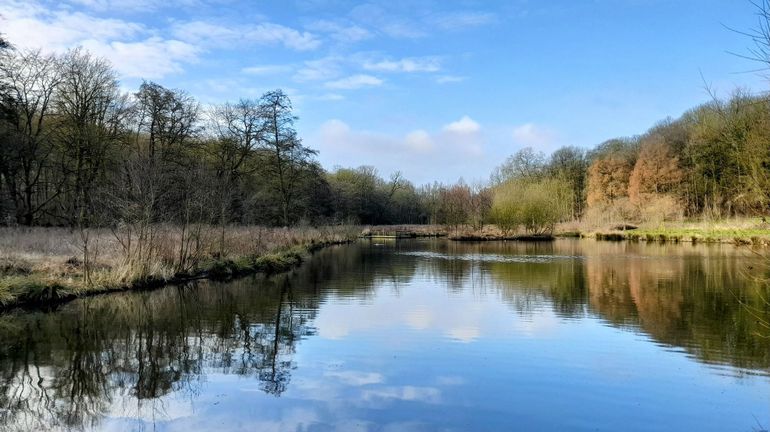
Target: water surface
{"points": [[412, 336]]}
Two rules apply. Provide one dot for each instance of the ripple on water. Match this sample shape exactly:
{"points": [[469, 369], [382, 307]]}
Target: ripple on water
{"points": [[492, 257]]}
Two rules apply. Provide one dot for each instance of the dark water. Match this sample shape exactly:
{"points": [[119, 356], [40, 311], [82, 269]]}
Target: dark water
{"points": [[412, 336]]}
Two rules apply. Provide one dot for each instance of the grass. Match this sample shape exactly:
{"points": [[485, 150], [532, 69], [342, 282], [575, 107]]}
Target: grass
{"points": [[47, 265], [405, 231], [744, 231]]}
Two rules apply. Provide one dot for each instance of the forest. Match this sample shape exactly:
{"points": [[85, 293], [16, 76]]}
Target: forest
{"points": [[76, 151]]}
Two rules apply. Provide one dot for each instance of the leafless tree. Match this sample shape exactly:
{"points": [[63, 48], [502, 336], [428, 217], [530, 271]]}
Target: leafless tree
{"points": [[286, 159], [760, 35], [524, 164], [30, 82], [165, 120], [239, 129], [92, 114]]}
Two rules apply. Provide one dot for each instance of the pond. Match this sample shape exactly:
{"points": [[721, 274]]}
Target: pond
{"points": [[414, 335]]}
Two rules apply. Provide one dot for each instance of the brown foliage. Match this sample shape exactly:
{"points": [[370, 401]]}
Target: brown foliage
{"points": [[657, 171], [608, 179]]}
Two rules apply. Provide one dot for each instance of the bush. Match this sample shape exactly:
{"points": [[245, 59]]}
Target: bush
{"points": [[661, 208], [537, 206]]}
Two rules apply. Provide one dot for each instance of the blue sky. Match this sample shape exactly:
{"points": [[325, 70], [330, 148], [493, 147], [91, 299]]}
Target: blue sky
{"points": [[436, 89]]}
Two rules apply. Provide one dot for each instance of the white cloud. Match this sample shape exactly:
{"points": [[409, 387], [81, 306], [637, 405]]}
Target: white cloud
{"points": [[406, 30], [275, 33], [420, 141], [331, 97], [465, 125], [392, 25], [131, 5], [461, 138], [129, 46], [420, 154], [355, 82], [318, 70], [387, 20], [151, 58], [29, 25], [413, 64], [340, 32], [334, 129], [266, 33], [266, 69], [460, 20], [448, 79], [531, 135]]}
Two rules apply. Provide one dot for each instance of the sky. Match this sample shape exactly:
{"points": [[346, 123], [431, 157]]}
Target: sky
{"points": [[437, 89]]}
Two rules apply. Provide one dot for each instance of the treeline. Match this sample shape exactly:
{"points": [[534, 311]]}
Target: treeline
{"points": [[712, 162], [77, 151]]}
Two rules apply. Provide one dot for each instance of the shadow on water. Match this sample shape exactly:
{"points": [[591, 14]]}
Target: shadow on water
{"points": [[67, 368]]}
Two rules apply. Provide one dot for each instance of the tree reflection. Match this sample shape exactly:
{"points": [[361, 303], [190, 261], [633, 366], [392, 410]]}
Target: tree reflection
{"points": [[69, 368], [64, 369], [681, 295]]}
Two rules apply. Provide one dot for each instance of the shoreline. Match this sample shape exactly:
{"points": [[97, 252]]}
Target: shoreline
{"points": [[221, 270], [695, 237], [37, 289], [728, 232]]}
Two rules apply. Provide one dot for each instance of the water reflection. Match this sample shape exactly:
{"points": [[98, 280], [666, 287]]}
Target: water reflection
{"points": [[65, 368], [130, 355]]}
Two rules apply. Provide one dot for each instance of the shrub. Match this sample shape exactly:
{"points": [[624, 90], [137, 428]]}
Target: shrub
{"points": [[661, 208], [534, 205]]}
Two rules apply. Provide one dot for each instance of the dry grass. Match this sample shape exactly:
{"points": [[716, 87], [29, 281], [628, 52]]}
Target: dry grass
{"points": [[414, 230], [487, 232], [48, 264], [736, 230]]}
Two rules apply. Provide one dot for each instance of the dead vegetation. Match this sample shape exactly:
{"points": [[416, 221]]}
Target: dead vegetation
{"points": [[40, 265]]}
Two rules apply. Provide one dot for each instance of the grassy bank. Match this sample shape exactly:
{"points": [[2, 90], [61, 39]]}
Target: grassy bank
{"points": [[404, 231], [455, 233], [741, 231], [48, 265], [737, 231]]}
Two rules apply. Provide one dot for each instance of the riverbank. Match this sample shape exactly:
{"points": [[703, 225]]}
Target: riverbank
{"points": [[736, 231], [404, 231], [41, 266]]}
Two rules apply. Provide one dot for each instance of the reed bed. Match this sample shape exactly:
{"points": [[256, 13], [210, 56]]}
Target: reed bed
{"points": [[42, 265]]}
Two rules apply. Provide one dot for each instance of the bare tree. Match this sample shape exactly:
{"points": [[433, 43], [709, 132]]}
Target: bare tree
{"points": [[92, 113], [397, 183], [524, 164], [480, 204], [286, 159], [239, 129], [759, 35], [30, 82], [164, 121]]}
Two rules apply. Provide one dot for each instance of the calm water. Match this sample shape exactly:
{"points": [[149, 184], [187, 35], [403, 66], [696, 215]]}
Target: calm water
{"points": [[412, 336]]}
